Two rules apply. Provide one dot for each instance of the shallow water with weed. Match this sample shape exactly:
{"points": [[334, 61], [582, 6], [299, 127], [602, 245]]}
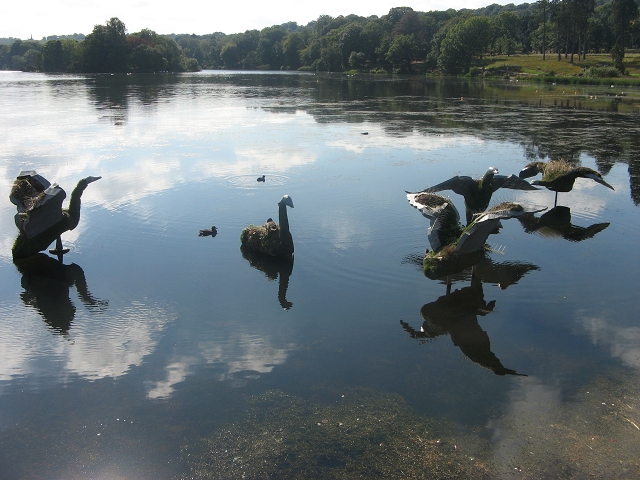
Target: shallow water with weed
{"points": [[151, 347]]}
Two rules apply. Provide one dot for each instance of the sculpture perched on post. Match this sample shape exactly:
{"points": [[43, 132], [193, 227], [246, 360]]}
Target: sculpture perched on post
{"points": [[40, 218]]}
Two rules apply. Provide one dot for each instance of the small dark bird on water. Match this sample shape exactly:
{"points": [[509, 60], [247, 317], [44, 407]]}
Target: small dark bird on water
{"points": [[206, 233], [260, 179], [560, 175]]}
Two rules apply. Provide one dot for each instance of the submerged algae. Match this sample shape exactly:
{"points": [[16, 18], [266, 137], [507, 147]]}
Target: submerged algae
{"points": [[362, 435]]}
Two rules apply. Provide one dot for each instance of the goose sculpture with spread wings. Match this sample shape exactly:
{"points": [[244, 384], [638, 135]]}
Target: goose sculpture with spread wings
{"points": [[477, 192], [455, 247]]}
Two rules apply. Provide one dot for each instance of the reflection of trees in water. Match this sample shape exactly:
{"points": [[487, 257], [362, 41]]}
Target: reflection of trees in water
{"points": [[549, 122], [113, 94], [46, 284]]}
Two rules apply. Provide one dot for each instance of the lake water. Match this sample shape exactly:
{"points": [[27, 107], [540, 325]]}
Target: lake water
{"points": [[153, 353]]}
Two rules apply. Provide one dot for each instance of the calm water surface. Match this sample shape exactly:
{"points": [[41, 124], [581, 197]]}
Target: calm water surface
{"points": [[150, 340]]}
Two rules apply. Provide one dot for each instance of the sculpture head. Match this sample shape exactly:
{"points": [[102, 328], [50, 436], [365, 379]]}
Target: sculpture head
{"points": [[286, 200]]}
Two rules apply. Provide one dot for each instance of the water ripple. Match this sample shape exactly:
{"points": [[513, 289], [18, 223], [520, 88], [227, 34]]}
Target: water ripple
{"points": [[250, 180]]}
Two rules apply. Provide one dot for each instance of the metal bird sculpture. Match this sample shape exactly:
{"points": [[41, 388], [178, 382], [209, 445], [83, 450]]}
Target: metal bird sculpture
{"points": [[271, 238], [40, 218], [456, 247], [477, 192], [559, 175]]}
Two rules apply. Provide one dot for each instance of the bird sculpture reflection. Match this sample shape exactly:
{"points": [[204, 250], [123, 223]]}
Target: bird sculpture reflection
{"points": [[477, 192], [456, 314], [557, 223], [455, 247], [559, 175], [271, 238]]}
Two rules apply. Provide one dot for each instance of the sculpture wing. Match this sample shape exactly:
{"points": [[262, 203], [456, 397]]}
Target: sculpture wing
{"points": [[512, 182], [445, 229], [431, 205], [475, 236], [460, 185]]}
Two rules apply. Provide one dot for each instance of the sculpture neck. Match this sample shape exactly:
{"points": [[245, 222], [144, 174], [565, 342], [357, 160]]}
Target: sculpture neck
{"points": [[282, 217], [485, 183]]}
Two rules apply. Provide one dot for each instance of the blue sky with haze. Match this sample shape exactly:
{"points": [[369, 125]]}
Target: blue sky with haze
{"points": [[40, 18]]}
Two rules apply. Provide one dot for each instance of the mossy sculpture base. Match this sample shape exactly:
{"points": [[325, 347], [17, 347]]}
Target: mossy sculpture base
{"points": [[41, 218], [271, 239]]}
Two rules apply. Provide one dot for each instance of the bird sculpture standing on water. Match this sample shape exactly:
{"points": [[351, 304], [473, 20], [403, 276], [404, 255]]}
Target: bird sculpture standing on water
{"points": [[271, 238], [477, 192], [41, 218], [456, 247], [560, 175]]}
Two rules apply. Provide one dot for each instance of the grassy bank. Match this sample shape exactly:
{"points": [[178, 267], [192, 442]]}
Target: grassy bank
{"points": [[595, 69]]}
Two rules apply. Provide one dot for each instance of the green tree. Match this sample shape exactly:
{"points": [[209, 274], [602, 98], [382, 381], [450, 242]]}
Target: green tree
{"points": [[623, 13], [464, 40], [269, 48], [370, 39], [357, 60], [402, 52], [229, 56], [292, 45], [506, 30], [106, 49], [53, 57]]}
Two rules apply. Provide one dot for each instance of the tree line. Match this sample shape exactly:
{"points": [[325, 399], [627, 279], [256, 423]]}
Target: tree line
{"points": [[107, 49], [402, 41]]}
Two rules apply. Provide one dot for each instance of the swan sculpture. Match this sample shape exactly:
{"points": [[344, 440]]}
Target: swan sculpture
{"points": [[271, 238], [455, 247], [477, 192], [40, 218], [560, 175]]}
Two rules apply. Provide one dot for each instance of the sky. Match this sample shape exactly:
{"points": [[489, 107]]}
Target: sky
{"points": [[40, 18]]}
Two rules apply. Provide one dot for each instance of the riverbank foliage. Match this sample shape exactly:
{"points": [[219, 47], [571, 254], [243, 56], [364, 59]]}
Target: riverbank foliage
{"points": [[403, 41], [107, 49]]}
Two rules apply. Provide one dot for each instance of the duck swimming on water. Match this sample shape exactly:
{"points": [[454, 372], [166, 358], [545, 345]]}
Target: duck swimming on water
{"points": [[477, 192], [560, 175], [208, 232], [271, 238]]}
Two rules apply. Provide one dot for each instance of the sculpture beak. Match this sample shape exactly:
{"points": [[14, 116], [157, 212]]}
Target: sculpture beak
{"points": [[601, 181]]}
